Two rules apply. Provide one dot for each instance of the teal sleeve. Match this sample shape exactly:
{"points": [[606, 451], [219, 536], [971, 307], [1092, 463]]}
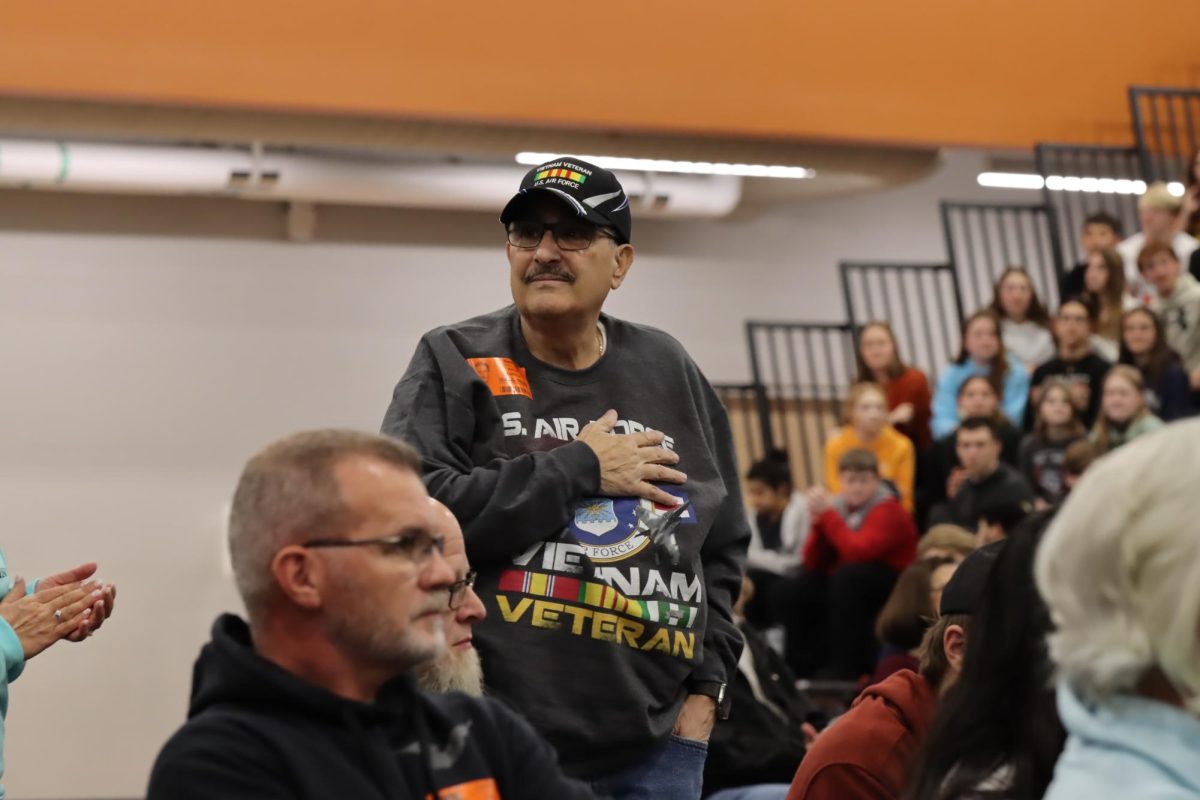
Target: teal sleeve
{"points": [[1016, 394], [945, 402], [12, 654]]}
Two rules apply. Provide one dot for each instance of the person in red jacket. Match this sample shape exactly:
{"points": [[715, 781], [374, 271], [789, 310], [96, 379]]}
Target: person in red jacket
{"points": [[861, 540], [909, 399], [867, 753]]}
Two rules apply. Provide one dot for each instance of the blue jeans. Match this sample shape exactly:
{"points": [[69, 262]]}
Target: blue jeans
{"points": [[674, 772], [761, 791]]}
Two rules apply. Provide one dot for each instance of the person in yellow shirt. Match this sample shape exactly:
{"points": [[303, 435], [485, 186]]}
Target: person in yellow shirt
{"points": [[866, 428]]}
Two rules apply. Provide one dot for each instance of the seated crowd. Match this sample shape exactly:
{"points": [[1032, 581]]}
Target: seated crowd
{"points": [[958, 700]]}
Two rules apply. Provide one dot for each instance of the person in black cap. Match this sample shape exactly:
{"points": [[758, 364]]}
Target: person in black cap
{"points": [[996, 733], [592, 468], [868, 753]]}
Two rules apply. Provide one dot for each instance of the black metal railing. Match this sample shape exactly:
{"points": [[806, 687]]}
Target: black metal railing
{"points": [[921, 302], [1069, 170], [1166, 126], [983, 239], [804, 369]]}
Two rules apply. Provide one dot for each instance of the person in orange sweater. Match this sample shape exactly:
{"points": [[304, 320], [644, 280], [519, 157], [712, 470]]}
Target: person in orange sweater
{"points": [[909, 398], [861, 540], [867, 428]]}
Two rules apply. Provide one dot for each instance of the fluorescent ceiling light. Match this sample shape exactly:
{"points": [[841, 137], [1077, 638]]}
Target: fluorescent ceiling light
{"points": [[1010, 180], [1069, 183], [685, 167]]}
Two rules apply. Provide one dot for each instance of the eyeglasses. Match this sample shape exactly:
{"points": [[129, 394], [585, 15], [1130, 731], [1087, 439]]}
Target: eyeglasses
{"points": [[417, 547], [458, 590], [568, 234]]}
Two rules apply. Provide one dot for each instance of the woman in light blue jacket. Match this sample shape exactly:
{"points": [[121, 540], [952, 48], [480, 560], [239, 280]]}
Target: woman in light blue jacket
{"points": [[35, 616], [982, 354], [1120, 572]]}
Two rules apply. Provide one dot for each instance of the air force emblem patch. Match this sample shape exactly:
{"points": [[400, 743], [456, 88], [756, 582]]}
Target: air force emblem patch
{"points": [[613, 529], [607, 528], [596, 516]]}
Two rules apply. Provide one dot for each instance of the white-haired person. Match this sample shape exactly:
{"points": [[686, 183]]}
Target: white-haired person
{"points": [[1120, 572]]}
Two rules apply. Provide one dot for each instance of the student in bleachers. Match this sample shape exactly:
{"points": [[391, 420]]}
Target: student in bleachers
{"points": [[945, 541], [985, 479], [996, 733], [1119, 570], [909, 398], [982, 353], [909, 611], [866, 428], [1075, 362], [1101, 231], [1105, 295], [1144, 346], [1057, 426], [861, 539], [1123, 412], [942, 471], [1158, 211], [1025, 325], [779, 525], [1177, 304], [1076, 461]]}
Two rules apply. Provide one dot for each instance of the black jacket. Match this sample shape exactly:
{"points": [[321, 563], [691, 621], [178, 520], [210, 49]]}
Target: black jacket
{"points": [[1005, 485], [758, 744], [942, 458], [256, 731]]}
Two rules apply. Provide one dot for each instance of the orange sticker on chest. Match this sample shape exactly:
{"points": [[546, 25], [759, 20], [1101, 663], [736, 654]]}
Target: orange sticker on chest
{"points": [[482, 789], [502, 376]]}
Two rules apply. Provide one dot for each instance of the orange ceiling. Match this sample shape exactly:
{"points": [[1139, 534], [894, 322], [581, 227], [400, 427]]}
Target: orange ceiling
{"points": [[975, 72]]}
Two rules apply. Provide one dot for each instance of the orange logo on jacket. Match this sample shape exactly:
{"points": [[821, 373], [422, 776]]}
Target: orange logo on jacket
{"points": [[502, 376]]}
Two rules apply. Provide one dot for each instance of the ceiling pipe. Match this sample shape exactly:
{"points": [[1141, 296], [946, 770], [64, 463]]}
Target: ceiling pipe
{"points": [[259, 174]]}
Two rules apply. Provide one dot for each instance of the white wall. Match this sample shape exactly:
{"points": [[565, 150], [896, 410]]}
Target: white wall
{"points": [[149, 346]]}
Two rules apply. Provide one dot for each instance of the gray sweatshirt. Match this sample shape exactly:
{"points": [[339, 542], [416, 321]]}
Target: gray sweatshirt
{"points": [[601, 610], [1180, 313]]}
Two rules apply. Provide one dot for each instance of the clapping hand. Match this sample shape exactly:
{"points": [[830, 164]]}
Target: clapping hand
{"points": [[42, 618], [101, 610], [819, 501]]}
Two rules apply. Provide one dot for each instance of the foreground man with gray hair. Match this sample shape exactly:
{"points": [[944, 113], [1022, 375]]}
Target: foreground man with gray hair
{"points": [[1120, 572], [340, 564]]}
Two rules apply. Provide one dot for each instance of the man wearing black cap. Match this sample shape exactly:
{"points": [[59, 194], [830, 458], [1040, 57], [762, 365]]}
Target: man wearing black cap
{"points": [[868, 752], [592, 468]]}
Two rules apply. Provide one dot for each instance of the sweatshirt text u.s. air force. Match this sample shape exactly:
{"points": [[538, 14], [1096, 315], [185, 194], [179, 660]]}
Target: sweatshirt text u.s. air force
{"points": [[602, 611]]}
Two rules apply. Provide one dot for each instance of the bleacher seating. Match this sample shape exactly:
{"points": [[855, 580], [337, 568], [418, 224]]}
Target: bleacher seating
{"points": [[801, 368]]}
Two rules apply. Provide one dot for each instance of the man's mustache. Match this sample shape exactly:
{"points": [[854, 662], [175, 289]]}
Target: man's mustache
{"points": [[554, 272]]}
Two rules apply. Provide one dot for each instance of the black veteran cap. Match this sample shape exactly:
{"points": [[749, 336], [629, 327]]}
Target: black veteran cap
{"points": [[593, 192]]}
